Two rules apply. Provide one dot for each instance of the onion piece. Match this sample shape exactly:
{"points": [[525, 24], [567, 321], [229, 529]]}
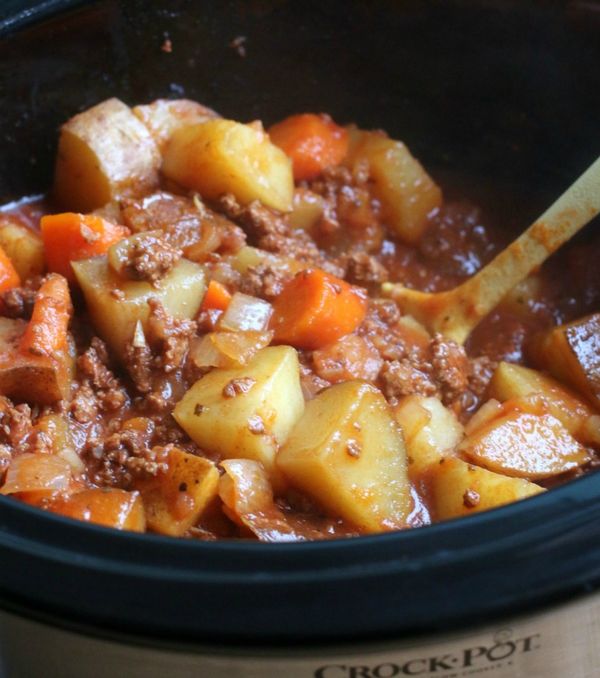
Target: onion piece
{"points": [[34, 472], [246, 313], [228, 349]]}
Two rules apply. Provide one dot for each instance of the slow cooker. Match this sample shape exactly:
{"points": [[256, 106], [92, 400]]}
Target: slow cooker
{"points": [[500, 98]]}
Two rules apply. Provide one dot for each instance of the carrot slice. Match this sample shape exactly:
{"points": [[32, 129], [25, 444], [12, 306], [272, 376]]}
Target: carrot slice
{"points": [[313, 142], [9, 277], [70, 236], [216, 297], [46, 332], [315, 309]]}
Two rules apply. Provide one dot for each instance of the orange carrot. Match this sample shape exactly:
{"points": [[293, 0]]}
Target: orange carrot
{"points": [[70, 236], [216, 297], [46, 332], [9, 278], [312, 141], [315, 309]]}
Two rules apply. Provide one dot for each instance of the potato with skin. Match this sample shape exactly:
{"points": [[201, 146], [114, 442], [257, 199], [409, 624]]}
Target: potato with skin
{"points": [[407, 193], [571, 353], [104, 153], [459, 489], [116, 304], [164, 116], [515, 381], [23, 246], [223, 156], [347, 452], [524, 445], [175, 499], [245, 412], [42, 379], [431, 431]]}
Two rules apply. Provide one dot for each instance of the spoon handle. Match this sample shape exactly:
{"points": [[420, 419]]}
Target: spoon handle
{"points": [[578, 205]]}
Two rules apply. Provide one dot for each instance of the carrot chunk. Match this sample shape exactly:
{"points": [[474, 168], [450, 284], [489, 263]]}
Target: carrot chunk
{"points": [[216, 297], [70, 236], [46, 333], [315, 309], [9, 277], [313, 142]]}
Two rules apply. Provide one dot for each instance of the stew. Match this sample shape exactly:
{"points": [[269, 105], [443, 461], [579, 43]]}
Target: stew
{"points": [[194, 341]]}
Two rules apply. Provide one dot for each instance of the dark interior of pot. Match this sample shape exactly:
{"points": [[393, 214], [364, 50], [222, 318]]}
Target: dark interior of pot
{"points": [[498, 99]]}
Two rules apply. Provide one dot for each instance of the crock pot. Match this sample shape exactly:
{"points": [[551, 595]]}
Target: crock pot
{"points": [[501, 96]]}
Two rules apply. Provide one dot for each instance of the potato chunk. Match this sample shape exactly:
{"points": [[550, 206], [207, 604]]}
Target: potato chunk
{"points": [[23, 246], [572, 354], [524, 445], [42, 379], [458, 489], [164, 116], [515, 381], [407, 193], [430, 430], [223, 156], [347, 452], [175, 500], [246, 412], [104, 153], [116, 304]]}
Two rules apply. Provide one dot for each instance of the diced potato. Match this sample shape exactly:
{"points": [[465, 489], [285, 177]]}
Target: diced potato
{"points": [[572, 354], [515, 381], [104, 153], [175, 500], [106, 506], [458, 489], [246, 412], [524, 445], [347, 452], [249, 257], [23, 246], [307, 209], [163, 116], [41, 379], [407, 193], [223, 156], [116, 305], [430, 430]]}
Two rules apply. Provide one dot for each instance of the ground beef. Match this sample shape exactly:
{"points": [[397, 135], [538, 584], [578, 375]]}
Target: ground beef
{"points": [[16, 425], [168, 337], [98, 389], [18, 301], [364, 269], [264, 281], [403, 377], [451, 368], [150, 258], [482, 369]]}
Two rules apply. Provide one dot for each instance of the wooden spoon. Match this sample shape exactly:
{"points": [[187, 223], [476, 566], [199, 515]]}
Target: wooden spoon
{"points": [[455, 313]]}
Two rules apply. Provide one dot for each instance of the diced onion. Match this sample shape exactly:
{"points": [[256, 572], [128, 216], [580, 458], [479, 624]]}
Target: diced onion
{"points": [[228, 349], [139, 338], [204, 353], [31, 472], [246, 313]]}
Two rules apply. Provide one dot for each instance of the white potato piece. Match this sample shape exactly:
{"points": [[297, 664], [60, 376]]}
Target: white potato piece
{"points": [[223, 156], [347, 453], [245, 412], [524, 445], [164, 116], [407, 193], [175, 499], [40, 379], [23, 246], [515, 381], [431, 431], [116, 305], [104, 153], [459, 488]]}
